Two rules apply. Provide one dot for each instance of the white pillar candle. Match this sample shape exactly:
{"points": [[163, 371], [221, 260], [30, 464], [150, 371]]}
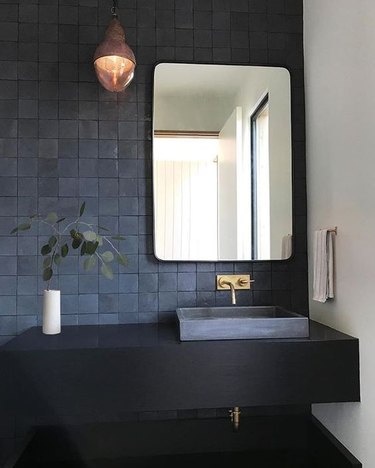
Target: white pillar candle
{"points": [[51, 312]]}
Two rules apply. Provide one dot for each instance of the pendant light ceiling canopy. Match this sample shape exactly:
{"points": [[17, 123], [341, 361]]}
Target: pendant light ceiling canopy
{"points": [[114, 61]]}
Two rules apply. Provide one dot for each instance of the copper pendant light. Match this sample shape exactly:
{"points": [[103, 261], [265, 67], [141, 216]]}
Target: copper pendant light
{"points": [[114, 60]]}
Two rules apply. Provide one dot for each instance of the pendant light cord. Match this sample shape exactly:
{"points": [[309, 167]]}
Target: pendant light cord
{"points": [[114, 8]]}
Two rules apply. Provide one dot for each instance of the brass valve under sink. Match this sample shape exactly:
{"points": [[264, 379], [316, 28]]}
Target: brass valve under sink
{"points": [[235, 417]]}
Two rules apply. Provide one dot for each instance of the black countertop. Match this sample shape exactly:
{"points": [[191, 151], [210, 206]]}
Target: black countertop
{"points": [[142, 335]]}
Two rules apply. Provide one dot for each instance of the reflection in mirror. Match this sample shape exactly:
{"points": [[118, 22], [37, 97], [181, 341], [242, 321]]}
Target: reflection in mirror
{"points": [[222, 163]]}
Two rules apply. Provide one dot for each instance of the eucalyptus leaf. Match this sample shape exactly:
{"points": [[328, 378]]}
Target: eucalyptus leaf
{"points": [[91, 247], [45, 250], [122, 260], [107, 256], [52, 217], [106, 271], [21, 227], [89, 235], [76, 242], [83, 248], [52, 241], [76, 234], [64, 250], [82, 209], [89, 263], [47, 262], [57, 259], [118, 237], [60, 220], [47, 274]]}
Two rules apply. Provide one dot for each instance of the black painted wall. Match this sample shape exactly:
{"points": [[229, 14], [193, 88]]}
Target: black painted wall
{"points": [[64, 140]]}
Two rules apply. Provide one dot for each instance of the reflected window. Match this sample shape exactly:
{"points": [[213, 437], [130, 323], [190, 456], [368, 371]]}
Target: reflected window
{"points": [[185, 185], [260, 181]]}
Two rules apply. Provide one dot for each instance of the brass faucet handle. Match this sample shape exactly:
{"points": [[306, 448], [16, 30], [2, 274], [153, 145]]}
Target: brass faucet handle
{"points": [[245, 280]]}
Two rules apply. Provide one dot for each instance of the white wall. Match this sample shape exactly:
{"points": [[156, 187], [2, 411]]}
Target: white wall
{"points": [[257, 82], [227, 178], [340, 111], [207, 113]]}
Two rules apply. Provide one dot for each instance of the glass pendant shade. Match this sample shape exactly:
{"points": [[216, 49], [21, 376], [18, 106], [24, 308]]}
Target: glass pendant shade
{"points": [[114, 60]]}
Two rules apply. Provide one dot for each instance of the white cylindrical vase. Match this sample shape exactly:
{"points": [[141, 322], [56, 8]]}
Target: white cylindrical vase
{"points": [[51, 312]]}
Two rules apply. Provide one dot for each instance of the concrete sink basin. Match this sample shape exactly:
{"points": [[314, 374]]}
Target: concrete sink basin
{"points": [[240, 323]]}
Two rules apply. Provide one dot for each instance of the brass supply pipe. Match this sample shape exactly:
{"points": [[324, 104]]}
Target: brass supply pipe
{"points": [[235, 417]]}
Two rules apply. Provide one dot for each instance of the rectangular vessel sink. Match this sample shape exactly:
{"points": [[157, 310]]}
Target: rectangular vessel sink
{"points": [[240, 322]]}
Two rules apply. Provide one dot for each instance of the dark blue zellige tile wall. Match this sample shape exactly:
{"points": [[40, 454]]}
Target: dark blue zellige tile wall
{"points": [[64, 139]]}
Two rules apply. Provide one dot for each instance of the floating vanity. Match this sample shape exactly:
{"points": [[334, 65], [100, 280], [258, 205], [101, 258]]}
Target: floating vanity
{"points": [[106, 371], [101, 374]]}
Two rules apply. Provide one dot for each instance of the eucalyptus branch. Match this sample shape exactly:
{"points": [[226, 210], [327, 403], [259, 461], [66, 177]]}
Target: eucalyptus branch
{"points": [[64, 240], [77, 223], [70, 224], [85, 224], [51, 226], [49, 281], [111, 244], [100, 258]]}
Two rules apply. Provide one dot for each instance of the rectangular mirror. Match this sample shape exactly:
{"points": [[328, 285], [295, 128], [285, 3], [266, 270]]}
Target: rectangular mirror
{"points": [[222, 169]]}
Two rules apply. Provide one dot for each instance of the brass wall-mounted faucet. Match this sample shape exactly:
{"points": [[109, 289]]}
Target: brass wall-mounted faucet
{"points": [[233, 282]]}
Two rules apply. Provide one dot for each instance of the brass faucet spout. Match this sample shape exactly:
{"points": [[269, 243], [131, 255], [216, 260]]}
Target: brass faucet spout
{"points": [[232, 289], [232, 292]]}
